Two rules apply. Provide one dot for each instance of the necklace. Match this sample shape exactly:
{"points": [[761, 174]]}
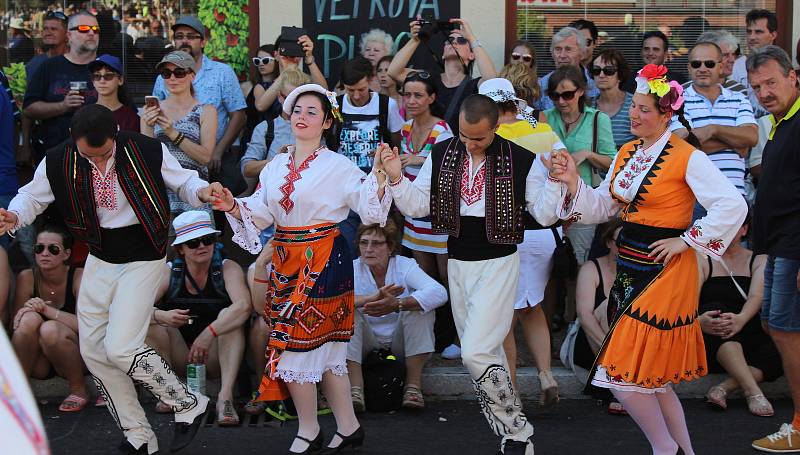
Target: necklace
{"points": [[572, 122]]}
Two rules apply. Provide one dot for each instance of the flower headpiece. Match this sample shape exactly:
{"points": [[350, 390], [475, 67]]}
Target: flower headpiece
{"points": [[288, 103], [653, 79], [335, 109]]}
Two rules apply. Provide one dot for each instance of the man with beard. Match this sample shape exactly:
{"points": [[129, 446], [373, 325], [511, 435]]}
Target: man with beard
{"points": [[215, 83], [50, 97]]}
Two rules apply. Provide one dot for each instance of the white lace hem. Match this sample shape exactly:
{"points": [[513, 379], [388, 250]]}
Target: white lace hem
{"points": [[377, 209], [304, 377], [245, 232], [603, 380]]}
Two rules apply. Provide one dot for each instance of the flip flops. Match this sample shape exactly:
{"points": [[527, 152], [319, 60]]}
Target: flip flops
{"points": [[73, 403]]}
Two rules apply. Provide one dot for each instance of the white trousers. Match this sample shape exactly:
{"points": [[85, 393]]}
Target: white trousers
{"points": [[482, 297], [114, 307], [413, 336]]}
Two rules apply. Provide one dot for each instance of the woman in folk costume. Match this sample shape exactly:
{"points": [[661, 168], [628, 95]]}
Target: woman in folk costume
{"points": [[655, 338], [306, 193]]}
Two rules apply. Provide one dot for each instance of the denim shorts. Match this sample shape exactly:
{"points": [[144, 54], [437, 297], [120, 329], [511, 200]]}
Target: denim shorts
{"points": [[781, 305]]}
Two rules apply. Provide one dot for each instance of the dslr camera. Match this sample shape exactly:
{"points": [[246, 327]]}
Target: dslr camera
{"points": [[430, 26]]}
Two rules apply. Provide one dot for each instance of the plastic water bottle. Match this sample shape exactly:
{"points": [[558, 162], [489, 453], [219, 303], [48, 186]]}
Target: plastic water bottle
{"points": [[196, 377]]}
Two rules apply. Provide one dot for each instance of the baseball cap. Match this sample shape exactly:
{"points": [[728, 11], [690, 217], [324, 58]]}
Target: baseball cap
{"points": [[192, 22], [181, 59], [106, 60]]}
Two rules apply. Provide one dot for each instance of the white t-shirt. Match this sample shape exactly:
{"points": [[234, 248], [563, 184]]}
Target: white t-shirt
{"points": [[360, 134]]}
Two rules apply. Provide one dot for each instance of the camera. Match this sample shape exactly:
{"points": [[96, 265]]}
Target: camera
{"points": [[430, 26]]}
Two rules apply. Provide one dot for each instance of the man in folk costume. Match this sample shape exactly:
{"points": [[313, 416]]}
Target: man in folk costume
{"points": [[476, 188], [110, 188]]}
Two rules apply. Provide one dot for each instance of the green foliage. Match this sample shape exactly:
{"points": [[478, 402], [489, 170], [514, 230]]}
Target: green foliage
{"points": [[229, 24], [16, 78]]}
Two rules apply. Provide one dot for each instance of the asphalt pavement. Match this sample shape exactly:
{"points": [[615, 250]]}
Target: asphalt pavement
{"points": [[444, 427]]}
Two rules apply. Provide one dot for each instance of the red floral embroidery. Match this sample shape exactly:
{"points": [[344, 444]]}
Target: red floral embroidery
{"points": [[105, 194], [471, 195], [715, 245], [635, 166], [695, 231], [294, 175]]}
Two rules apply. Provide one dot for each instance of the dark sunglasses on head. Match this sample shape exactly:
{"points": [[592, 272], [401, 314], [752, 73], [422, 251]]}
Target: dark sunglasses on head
{"points": [[179, 73], [86, 28], [417, 76], [708, 63], [104, 76], [527, 58], [457, 40], [206, 240], [566, 96], [258, 61], [54, 249], [55, 15], [608, 70]]}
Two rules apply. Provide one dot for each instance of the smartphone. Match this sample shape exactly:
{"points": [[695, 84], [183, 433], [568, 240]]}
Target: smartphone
{"points": [[288, 46], [151, 101]]}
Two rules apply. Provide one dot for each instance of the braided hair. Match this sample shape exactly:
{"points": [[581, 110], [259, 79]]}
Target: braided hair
{"points": [[691, 138]]}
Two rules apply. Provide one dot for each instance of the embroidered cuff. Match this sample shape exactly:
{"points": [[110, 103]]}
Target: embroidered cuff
{"points": [[711, 247], [245, 232], [377, 209]]}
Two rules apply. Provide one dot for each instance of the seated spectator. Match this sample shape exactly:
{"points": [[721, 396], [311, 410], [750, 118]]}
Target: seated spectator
{"points": [[375, 45], [395, 300], [203, 307], [272, 134], [257, 279], [735, 342], [45, 328], [187, 127], [611, 72], [5, 285], [111, 92]]}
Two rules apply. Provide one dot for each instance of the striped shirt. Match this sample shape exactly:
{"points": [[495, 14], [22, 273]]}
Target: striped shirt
{"points": [[729, 109]]}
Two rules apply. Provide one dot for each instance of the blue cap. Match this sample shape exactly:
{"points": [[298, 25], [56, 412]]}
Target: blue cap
{"points": [[108, 60], [191, 22]]}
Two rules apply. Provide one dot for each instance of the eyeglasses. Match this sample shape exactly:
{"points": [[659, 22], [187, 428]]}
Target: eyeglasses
{"points": [[608, 70], [708, 63], [86, 28], [364, 243], [566, 96], [258, 61], [457, 40], [104, 76], [179, 73], [206, 240], [189, 37], [55, 15], [417, 75], [52, 248], [527, 58]]}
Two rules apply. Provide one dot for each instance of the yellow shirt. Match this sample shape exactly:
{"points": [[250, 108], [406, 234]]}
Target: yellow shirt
{"points": [[792, 110], [541, 139]]}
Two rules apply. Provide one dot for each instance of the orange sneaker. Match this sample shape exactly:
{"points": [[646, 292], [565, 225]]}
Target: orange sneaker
{"points": [[786, 440]]}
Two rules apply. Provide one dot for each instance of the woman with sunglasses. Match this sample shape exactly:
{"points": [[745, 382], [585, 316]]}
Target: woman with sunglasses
{"points": [[111, 92], [454, 83], [266, 71], [306, 193], [185, 126], [655, 337], [45, 328], [523, 52], [611, 72]]}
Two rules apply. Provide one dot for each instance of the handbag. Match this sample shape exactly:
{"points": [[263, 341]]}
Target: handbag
{"points": [[565, 265], [597, 179]]}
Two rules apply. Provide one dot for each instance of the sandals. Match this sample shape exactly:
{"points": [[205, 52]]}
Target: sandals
{"points": [[717, 398], [357, 395], [549, 388], [73, 403], [412, 398], [228, 417], [758, 405], [254, 407]]}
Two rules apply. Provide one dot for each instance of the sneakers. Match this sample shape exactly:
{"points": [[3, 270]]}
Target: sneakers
{"points": [[452, 352], [786, 440]]}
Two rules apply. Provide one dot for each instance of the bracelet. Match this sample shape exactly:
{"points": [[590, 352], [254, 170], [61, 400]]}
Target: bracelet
{"points": [[397, 182], [474, 44], [260, 281], [178, 139], [232, 208], [211, 329]]}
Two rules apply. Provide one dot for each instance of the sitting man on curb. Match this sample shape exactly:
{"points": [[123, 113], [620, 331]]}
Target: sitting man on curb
{"points": [[203, 307]]}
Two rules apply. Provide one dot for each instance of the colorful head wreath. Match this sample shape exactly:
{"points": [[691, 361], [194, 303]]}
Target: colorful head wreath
{"points": [[653, 79]]}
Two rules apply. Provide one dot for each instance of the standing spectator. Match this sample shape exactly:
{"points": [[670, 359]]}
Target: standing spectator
{"points": [[54, 41], [729, 45], [762, 30], [20, 46], [266, 72], [184, 124], [655, 50], [574, 122], [590, 32], [611, 72], [523, 52], [388, 85], [49, 97], [9, 182], [455, 83], [721, 119], [568, 48], [215, 83], [111, 92], [776, 229], [527, 82], [375, 45]]}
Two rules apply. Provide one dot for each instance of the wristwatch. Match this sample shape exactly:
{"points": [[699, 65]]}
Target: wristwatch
{"points": [[474, 44]]}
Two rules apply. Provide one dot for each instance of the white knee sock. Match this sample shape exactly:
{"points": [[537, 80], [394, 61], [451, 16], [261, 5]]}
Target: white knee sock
{"points": [[645, 410]]}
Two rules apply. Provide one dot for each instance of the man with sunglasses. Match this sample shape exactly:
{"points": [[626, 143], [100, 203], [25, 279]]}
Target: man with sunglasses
{"points": [[720, 118], [50, 98], [110, 188]]}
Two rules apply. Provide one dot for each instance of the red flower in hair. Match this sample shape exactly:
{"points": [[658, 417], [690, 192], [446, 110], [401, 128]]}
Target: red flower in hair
{"points": [[651, 71]]}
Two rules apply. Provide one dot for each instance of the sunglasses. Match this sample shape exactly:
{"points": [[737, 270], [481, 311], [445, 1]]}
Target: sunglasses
{"points": [[86, 28], [608, 70], [708, 63], [566, 96], [53, 248], [56, 15], [108, 77], [179, 73], [206, 240], [527, 58], [417, 76], [457, 40], [258, 61]]}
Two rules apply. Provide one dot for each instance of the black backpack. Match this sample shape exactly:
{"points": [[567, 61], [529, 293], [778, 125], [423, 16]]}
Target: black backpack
{"points": [[384, 379]]}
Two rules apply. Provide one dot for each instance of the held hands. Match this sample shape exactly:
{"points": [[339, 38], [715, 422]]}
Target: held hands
{"points": [[562, 167], [7, 221], [220, 197], [664, 250], [389, 158], [384, 301]]}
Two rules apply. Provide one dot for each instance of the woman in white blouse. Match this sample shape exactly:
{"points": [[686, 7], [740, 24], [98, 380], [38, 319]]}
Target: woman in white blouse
{"points": [[395, 300]]}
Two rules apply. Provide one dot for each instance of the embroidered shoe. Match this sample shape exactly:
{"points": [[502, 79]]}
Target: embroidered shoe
{"points": [[785, 440]]}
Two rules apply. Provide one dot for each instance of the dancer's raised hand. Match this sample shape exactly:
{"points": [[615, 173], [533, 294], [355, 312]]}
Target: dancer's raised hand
{"points": [[390, 158], [7, 221]]}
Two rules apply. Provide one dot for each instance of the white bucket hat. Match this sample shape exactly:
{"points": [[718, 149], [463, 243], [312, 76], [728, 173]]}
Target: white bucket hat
{"points": [[191, 225], [501, 90]]}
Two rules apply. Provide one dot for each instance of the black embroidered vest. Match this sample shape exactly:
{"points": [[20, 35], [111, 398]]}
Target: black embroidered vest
{"points": [[507, 166], [138, 167]]}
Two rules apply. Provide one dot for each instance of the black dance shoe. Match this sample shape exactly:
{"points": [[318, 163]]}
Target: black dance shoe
{"points": [[313, 446], [185, 432], [515, 447], [355, 440], [127, 448]]}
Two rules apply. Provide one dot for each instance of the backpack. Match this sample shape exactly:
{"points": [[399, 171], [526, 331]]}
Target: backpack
{"points": [[384, 379], [383, 117], [269, 136], [178, 273]]}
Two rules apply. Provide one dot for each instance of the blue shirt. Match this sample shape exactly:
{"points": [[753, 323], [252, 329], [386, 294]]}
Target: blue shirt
{"points": [[8, 167], [216, 84], [257, 147], [544, 103], [621, 122]]}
